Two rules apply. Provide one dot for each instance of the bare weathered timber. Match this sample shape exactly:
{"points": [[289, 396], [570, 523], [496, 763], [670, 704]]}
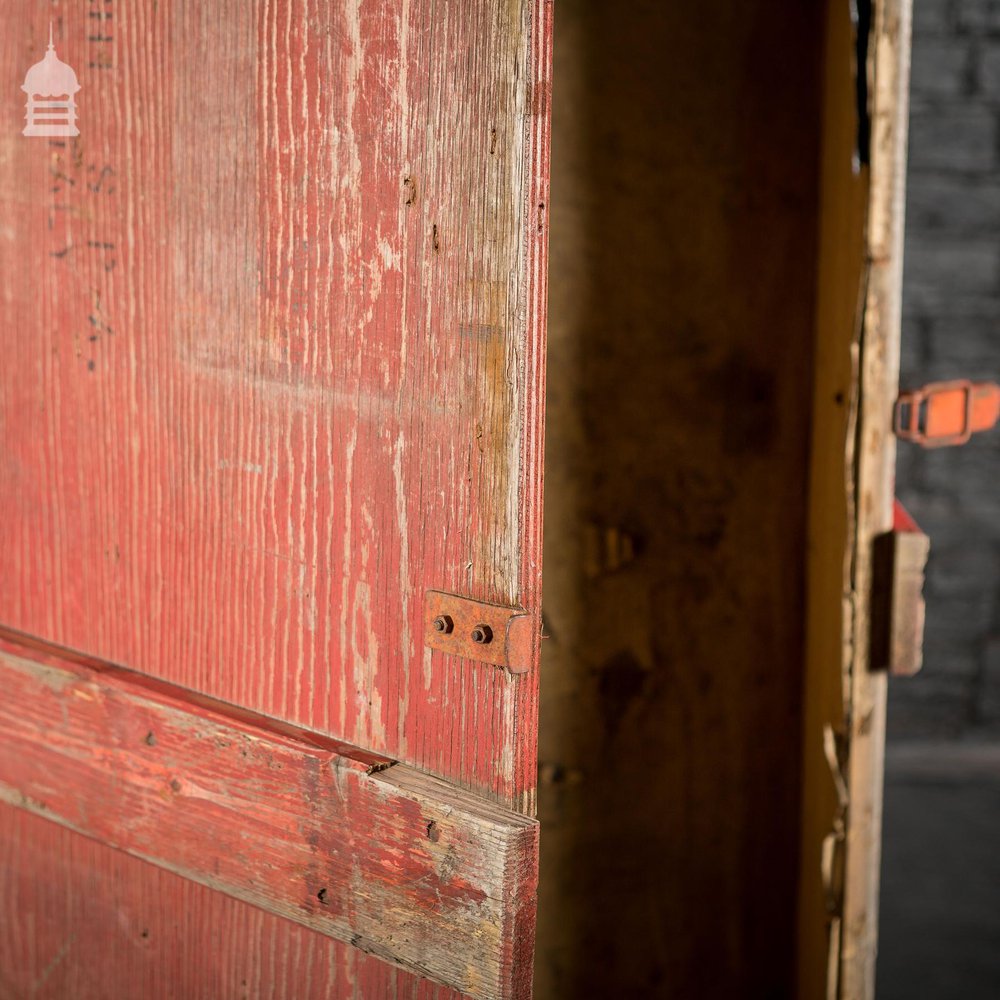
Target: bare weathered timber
{"points": [[852, 505], [874, 484], [841, 263]]}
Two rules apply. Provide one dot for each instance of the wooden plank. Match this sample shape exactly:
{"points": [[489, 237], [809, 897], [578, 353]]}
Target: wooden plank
{"points": [[830, 552], [83, 920], [683, 300], [398, 863], [852, 501], [272, 330], [875, 461]]}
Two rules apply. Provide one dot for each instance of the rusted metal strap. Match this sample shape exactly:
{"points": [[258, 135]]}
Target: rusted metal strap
{"points": [[478, 630]]}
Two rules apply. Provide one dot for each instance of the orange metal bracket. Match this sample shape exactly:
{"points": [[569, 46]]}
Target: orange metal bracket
{"points": [[480, 631], [946, 413]]}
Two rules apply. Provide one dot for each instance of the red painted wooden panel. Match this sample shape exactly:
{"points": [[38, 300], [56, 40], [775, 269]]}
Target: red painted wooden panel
{"points": [[389, 859], [271, 330], [86, 922]]}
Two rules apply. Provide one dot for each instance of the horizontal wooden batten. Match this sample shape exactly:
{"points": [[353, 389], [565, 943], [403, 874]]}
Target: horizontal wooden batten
{"points": [[355, 846]]}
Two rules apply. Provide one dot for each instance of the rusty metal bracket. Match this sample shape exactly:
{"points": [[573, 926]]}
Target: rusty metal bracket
{"points": [[480, 631], [946, 413]]}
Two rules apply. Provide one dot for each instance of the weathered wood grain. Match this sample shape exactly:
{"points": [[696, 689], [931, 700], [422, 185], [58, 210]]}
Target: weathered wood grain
{"points": [[685, 188], [853, 456], [841, 265], [874, 485], [85, 921], [393, 861], [272, 334]]}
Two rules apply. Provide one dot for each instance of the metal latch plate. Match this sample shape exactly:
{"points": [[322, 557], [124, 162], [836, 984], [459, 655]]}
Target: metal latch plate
{"points": [[477, 630]]}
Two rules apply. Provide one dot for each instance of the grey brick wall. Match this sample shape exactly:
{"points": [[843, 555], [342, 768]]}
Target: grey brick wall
{"points": [[951, 311]]}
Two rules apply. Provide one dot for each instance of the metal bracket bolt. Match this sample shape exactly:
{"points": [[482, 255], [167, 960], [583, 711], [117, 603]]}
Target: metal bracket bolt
{"points": [[482, 634], [444, 624]]}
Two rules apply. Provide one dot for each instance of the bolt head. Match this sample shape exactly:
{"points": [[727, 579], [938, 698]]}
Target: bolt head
{"points": [[482, 634], [443, 624]]}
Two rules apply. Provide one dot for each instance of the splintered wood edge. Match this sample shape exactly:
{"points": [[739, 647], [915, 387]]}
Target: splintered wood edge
{"points": [[853, 972], [396, 862]]}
